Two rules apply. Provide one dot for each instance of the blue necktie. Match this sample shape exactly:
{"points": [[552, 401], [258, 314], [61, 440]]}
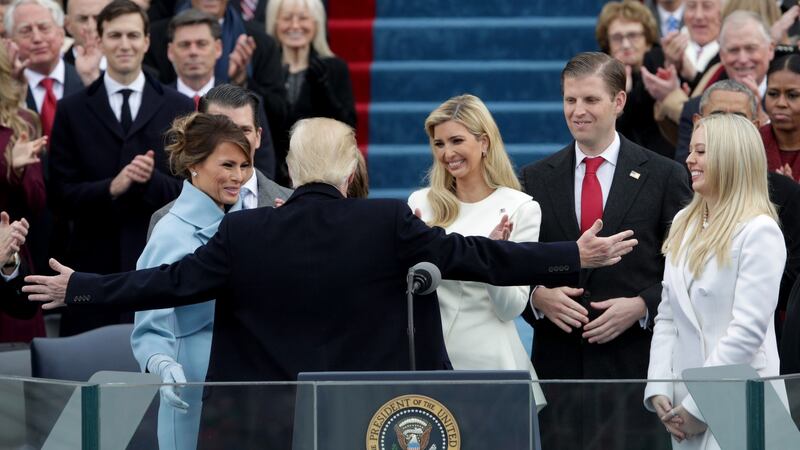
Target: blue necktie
{"points": [[672, 24]]}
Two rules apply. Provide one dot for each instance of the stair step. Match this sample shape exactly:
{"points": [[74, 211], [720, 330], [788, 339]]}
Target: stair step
{"points": [[489, 80], [519, 122], [351, 39], [526, 38], [459, 8], [405, 166]]}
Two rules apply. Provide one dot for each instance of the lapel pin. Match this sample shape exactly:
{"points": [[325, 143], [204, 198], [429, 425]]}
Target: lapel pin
{"points": [[634, 174], [502, 210]]}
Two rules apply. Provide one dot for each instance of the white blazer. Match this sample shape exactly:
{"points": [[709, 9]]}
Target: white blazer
{"points": [[723, 317]]}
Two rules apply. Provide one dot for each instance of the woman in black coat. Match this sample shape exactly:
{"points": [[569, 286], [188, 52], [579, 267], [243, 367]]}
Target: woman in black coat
{"points": [[317, 82]]}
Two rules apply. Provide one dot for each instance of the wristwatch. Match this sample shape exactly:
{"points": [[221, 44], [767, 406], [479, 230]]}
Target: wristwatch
{"points": [[13, 262]]}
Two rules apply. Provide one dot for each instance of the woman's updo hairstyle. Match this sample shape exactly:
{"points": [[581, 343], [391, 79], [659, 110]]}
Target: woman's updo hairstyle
{"points": [[192, 138]]}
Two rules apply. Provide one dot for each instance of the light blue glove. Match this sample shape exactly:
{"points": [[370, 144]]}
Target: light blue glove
{"points": [[171, 373]]}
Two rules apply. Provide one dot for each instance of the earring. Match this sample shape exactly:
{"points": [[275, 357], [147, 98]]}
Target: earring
{"points": [[194, 174], [483, 154]]}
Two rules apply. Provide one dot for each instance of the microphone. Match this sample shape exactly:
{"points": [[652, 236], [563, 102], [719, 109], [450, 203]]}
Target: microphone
{"points": [[426, 278]]}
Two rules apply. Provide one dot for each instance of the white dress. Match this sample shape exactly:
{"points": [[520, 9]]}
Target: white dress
{"points": [[726, 316], [478, 318]]}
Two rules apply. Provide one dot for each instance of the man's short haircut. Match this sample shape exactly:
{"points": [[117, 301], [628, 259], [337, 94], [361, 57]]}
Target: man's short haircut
{"points": [[738, 19], [730, 86], [119, 8], [232, 96], [611, 71], [55, 11], [191, 17]]}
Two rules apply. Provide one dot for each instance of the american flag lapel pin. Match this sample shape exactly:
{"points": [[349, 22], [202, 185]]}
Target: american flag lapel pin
{"points": [[634, 174]]}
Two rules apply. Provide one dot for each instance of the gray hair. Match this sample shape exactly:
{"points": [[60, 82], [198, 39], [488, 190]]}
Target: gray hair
{"points": [[53, 7], [737, 19], [730, 86]]}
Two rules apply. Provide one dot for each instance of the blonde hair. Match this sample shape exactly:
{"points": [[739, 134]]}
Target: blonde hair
{"points": [[11, 116], [321, 150], [470, 112], [317, 10], [736, 174]]}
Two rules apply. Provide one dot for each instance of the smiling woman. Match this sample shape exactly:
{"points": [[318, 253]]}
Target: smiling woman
{"points": [[473, 188], [213, 154]]}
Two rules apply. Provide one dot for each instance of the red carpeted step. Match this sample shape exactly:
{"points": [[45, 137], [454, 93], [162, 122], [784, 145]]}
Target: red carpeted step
{"points": [[349, 9], [350, 35]]}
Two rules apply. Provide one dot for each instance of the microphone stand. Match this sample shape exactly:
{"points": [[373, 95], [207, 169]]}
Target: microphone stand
{"points": [[410, 298]]}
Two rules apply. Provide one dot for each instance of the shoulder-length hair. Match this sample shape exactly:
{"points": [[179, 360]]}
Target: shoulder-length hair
{"points": [[317, 10], [736, 173], [11, 98], [470, 112]]}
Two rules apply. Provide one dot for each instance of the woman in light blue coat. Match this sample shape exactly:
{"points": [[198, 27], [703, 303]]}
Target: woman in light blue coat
{"points": [[213, 154]]}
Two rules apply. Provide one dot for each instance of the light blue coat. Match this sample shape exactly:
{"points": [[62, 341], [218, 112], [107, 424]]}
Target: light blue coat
{"points": [[183, 333]]}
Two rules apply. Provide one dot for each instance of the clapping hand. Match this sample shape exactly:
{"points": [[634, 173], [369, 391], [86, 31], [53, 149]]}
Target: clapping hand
{"points": [[25, 152], [239, 59], [503, 230], [88, 56], [12, 236], [139, 170]]}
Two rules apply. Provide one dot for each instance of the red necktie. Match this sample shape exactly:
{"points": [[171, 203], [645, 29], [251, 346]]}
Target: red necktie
{"points": [[248, 8], [48, 112], [591, 194], [196, 99]]}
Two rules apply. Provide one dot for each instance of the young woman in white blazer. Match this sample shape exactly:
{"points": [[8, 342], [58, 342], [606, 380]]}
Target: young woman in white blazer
{"points": [[725, 256], [475, 192]]}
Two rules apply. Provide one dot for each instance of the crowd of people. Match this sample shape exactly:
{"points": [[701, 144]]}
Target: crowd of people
{"points": [[686, 134]]}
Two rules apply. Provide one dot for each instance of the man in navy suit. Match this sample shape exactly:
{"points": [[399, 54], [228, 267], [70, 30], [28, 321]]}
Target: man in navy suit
{"points": [[319, 284], [109, 171], [194, 47], [600, 327]]}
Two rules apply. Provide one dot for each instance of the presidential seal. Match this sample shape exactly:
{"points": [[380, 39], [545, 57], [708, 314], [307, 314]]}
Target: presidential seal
{"points": [[413, 422]]}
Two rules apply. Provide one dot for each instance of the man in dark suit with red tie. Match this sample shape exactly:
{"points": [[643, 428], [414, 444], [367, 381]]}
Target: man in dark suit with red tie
{"points": [[601, 327], [109, 171]]}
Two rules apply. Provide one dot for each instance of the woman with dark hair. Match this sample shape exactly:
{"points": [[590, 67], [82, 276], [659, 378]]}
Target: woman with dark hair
{"points": [[22, 191], [628, 32], [782, 102], [213, 155]]}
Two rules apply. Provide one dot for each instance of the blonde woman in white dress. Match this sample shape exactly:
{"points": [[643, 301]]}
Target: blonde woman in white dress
{"points": [[473, 189], [725, 257]]}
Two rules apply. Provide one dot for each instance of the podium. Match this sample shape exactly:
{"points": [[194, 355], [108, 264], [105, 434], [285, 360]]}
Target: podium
{"points": [[424, 410]]}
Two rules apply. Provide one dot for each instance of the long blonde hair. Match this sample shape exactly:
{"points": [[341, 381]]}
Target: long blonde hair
{"points": [[11, 95], [469, 111], [736, 174]]}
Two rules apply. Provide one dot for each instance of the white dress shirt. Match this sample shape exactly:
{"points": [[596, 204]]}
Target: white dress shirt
{"points": [[115, 97], [605, 173], [249, 192], [38, 91], [181, 87]]}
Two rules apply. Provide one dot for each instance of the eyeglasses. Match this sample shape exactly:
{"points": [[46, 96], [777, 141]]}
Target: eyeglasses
{"points": [[632, 36]]}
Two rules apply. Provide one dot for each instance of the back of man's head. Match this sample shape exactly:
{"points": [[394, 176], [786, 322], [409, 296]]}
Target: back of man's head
{"points": [[321, 150]]}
